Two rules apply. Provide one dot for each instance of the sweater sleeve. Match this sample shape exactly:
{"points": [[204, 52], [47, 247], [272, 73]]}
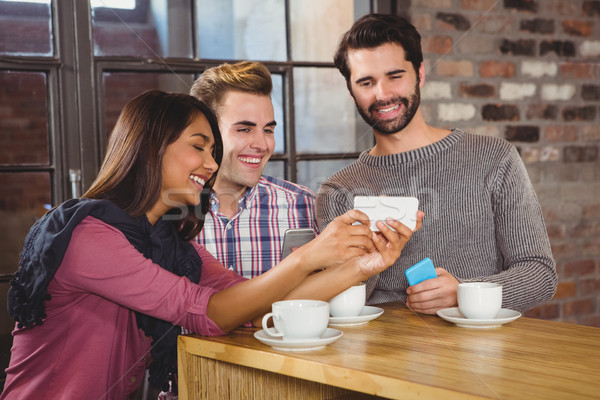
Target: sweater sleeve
{"points": [[529, 271], [333, 201], [124, 276]]}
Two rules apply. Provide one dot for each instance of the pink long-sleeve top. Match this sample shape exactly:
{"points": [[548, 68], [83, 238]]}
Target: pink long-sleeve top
{"points": [[89, 346]]}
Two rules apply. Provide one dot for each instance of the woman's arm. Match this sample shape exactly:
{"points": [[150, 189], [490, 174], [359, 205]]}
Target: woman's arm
{"points": [[292, 279], [241, 303]]}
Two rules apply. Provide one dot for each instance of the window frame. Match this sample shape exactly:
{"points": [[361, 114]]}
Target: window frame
{"points": [[75, 90]]}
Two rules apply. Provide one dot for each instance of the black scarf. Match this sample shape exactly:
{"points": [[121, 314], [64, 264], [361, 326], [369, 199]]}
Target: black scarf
{"points": [[45, 247]]}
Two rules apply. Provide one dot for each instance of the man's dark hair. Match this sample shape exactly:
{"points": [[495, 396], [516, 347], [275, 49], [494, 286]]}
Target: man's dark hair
{"points": [[372, 31]]}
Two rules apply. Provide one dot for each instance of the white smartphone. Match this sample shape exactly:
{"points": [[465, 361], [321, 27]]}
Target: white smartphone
{"points": [[378, 208], [294, 238]]}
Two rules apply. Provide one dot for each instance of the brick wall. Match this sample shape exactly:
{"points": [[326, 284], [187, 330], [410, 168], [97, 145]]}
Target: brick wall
{"points": [[529, 71]]}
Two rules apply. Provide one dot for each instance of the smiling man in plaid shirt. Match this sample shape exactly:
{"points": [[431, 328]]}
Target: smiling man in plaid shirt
{"points": [[250, 212]]}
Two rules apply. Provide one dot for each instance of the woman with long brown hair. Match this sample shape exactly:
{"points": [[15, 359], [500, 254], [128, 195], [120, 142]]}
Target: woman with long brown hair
{"points": [[106, 281]]}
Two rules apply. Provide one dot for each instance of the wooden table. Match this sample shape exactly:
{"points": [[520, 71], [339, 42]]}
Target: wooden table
{"points": [[401, 355]]}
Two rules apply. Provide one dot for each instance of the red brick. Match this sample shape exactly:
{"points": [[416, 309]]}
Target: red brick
{"points": [[580, 268], [521, 47], [522, 133], [452, 21], [585, 113], [497, 25], [421, 21], [578, 307], [561, 133], [569, 249], [591, 8], [544, 311], [522, 5], [480, 5], [577, 70], [454, 68], [437, 44], [432, 4], [561, 7], [590, 92], [475, 44], [591, 211], [478, 90], [591, 133], [590, 175], [588, 286], [556, 231], [500, 112], [578, 28], [586, 229], [590, 321], [580, 153], [495, 68], [563, 48], [538, 25], [591, 248], [542, 111], [565, 290]]}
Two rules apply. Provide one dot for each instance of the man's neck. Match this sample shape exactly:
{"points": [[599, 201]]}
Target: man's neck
{"points": [[229, 197], [415, 135]]}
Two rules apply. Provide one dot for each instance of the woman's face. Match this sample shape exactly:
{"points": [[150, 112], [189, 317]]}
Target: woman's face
{"points": [[186, 167]]}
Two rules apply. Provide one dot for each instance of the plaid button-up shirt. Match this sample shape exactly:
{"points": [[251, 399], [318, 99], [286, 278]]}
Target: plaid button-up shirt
{"points": [[250, 242]]}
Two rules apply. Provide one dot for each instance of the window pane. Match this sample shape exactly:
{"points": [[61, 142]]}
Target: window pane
{"points": [[326, 119], [241, 29], [277, 98], [313, 173], [275, 169], [121, 87], [23, 118], [24, 197], [152, 29], [317, 25], [26, 28], [7, 324]]}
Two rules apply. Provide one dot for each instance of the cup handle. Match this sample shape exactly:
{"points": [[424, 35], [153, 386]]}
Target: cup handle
{"points": [[269, 331]]}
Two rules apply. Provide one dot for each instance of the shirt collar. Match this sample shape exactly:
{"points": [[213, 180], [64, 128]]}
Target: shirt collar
{"points": [[244, 203]]}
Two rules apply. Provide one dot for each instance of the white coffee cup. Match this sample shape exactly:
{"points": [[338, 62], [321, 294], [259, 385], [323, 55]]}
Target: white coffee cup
{"points": [[297, 319], [349, 303], [479, 300]]}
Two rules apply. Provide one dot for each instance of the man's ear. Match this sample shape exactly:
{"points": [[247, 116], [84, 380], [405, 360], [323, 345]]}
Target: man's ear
{"points": [[421, 75], [349, 87]]}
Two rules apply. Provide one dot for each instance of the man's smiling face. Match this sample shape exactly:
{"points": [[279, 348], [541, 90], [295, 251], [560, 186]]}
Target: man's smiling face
{"points": [[385, 87], [247, 124]]}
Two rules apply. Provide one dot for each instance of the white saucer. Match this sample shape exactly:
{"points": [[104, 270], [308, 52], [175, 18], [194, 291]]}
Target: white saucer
{"points": [[367, 314], [330, 336], [454, 315]]}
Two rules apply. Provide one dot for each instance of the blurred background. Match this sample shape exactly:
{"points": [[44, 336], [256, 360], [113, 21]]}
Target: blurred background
{"points": [[524, 70]]}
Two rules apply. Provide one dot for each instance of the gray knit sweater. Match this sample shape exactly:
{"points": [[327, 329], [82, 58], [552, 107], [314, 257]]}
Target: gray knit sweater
{"points": [[482, 218]]}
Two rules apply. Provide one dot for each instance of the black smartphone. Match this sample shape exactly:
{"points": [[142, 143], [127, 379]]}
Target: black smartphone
{"points": [[294, 238]]}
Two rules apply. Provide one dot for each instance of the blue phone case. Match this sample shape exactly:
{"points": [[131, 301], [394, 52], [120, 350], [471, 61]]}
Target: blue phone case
{"points": [[422, 270]]}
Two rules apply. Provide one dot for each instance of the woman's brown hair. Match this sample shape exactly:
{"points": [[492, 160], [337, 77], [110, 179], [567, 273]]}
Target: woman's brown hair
{"points": [[131, 173]]}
